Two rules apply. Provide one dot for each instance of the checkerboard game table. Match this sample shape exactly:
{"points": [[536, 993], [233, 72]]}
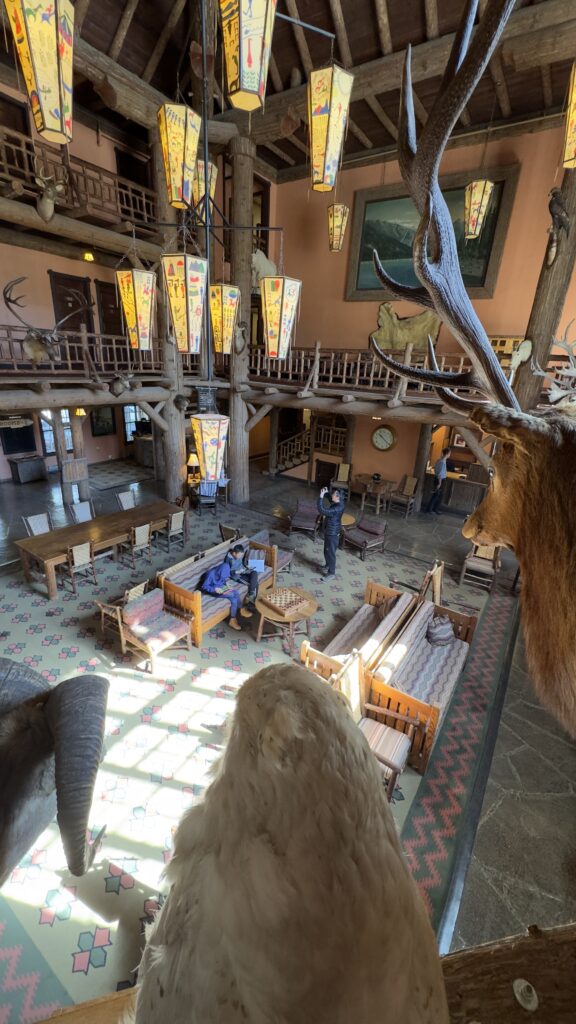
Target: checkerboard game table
{"points": [[288, 615]]}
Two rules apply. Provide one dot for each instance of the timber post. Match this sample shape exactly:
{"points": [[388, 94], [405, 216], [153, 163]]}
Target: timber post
{"points": [[77, 429], [313, 424], [349, 442], [61, 454], [242, 152], [549, 300], [174, 437], [421, 461], [158, 450], [273, 450]]}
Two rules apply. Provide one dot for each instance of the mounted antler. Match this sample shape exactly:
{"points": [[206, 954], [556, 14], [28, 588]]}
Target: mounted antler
{"points": [[51, 189], [442, 287], [40, 345]]}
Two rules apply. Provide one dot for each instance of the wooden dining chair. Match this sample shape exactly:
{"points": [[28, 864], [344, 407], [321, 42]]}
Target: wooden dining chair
{"points": [[126, 500], [139, 541], [80, 561], [175, 529], [38, 524], [82, 511]]}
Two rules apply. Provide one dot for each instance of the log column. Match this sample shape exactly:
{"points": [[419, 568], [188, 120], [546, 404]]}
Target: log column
{"points": [[421, 461], [273, 452], [174, 438], [61, 454], [242, 152], [349, 443], [158, 449], [77, 428], [310, 474]]}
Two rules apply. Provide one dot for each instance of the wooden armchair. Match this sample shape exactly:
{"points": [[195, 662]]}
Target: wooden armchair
{"points": [[306, 517], [82, 511], [367, 535], [147, 626], [481, 566], [402, 499], [341, 482], [111, 611]]}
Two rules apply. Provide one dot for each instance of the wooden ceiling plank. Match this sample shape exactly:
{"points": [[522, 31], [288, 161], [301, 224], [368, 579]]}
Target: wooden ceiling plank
{"points": [[431, 12], [295, 141], [419, 108], [300, 37], [496, 69], [80, 12], [359, 134], [383, 25], [122, 30], [466, 118], [547, 92], [280, 153], [379, 112], [275, 75], [341, 33], [163, 39], [544, 47]]}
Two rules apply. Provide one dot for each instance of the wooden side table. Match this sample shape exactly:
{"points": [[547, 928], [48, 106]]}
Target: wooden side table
{"points": [[287, 624]]}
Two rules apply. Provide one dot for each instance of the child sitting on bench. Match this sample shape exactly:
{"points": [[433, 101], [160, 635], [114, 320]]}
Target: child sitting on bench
{"points": [[217, 583]]}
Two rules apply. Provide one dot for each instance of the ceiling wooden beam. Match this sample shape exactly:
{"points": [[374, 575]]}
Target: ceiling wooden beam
{"points": [[362, 405], [295, 141], [300, 37], [275, 74], [379, 112], [385, 74], [547, 93], [122, 30], [359, 134], [496, 71], [383, 25], [80, 12], [545, 47], [163, 39], [419, 108], [341, 33], [280, 154], [64, 398], [431, 13]]}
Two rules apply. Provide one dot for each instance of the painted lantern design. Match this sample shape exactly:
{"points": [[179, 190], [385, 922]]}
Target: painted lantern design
{"points": [[179, 133], [210, 434], [476, 198], [138, 294], [185, 282], [280, 298], [247, 27], [337, 221], [329, 92], [224, 306], [199, 183]]}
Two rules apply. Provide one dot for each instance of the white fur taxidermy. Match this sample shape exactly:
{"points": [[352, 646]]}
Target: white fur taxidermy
{"points": [[290, 899], [261, 267]]}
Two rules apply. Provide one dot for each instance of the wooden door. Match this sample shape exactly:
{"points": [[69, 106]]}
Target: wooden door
{"points": [[64, 302], [325, 472], [109, 309]]}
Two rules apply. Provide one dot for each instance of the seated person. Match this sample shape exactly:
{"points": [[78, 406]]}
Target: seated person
{"points": [[237, 560], [217, 583]]}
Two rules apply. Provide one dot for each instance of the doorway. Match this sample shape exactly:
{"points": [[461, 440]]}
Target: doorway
{"points": [[109, 313], [64, 301]]}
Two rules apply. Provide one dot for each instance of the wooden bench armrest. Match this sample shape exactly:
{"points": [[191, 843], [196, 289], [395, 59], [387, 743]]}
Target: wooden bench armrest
{"points": [[108, 607], [415, 723]]}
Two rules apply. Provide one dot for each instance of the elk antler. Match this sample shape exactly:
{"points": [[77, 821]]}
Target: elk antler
{"points": [[442, 287], [83, 304], [12, 301]]}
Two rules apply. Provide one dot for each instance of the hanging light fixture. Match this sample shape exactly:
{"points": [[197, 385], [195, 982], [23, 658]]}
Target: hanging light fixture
{"points": [[476, 198], [247, 35], [280, 297], [185, 282], [137, 293], [329, 92], [337, 221], [199, 182], [569, 157], [210, 434], [79, 411], [179, 133], [44, 43], [224, 306]]}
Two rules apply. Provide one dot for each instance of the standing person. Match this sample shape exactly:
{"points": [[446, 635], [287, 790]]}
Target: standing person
{"points": [[332, 524], [241, 571], [440, 474], [217, 583]]}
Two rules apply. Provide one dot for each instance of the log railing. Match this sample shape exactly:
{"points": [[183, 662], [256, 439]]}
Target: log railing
{"points": [[91, 191], [108, 354]]}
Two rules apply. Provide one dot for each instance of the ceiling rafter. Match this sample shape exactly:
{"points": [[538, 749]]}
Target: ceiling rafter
{"points": [[379, 112], [122, 30], [275, 74], [360, 135], [163, 40], [80, 12], [383, 25], [431, 14], [496, 71], [300, 37], [295, 141], [547, 92], [279, 153], [346, 57]]}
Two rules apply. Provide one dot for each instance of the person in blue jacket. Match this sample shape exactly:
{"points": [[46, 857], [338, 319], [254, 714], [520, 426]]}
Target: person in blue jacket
{"points": [[216, 582], [332, 525]]}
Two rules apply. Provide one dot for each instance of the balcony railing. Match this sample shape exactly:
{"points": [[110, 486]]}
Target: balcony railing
{"points": [[75, 357], [91, 191]]}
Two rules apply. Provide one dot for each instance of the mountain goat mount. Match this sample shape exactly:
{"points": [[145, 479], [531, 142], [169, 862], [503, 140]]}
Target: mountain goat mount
{"points": [[40, 345], [529, 504]]}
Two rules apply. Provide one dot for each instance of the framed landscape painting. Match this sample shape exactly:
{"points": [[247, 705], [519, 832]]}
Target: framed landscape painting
{"points": [[103, 421], [386, 219]]}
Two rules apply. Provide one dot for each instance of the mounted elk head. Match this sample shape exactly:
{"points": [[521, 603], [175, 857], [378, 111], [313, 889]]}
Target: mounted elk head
{"points": [[52, 188], [39, 345], [529, 506]]}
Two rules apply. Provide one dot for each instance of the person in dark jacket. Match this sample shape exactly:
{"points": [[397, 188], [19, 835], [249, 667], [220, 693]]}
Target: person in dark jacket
{"points": [[332, 524], [216, 582], [237, 559]]}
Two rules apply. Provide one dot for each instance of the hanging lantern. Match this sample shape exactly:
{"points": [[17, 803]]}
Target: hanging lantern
{"points": [[337, 221], [280, 297], [329, 92], [224, 305], [185, 282], [137, 293], [179, 133], [199, 185], [44, 38], [569, 157], [247, 34], [210, 433], [476, 198]]}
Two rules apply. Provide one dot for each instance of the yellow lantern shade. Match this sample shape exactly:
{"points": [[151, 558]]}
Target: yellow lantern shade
{"points": [[247, 27], [329, 92], [44, 34], [280, 298], [179, 133], [224, 305], [185, 282], [337, 221], [210, 432], [199, 183], [569, 156], [476, 198], [137, 293]]}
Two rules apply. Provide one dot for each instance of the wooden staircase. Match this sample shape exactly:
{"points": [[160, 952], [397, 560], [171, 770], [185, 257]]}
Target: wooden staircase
{"points": [[295, 450]]}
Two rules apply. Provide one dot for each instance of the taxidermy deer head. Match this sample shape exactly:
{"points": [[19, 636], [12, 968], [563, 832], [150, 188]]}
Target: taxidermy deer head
{"points": [[529, 505], [50, 749], [51, 190], [40, 345]]}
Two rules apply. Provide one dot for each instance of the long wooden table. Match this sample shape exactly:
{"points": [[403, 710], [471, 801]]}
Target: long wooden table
{"points": [[51, 549]]}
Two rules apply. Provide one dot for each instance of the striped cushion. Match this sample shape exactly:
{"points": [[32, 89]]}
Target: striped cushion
{"points": [[431, 673], [284, 558], [144, 608], [388, 745], [160, 632]]}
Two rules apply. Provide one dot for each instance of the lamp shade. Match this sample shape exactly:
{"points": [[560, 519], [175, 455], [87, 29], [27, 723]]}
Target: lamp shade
{"points": [[569, 156], [224, 305], [193, 460], [476, 198], [329, 92], [247, 27], [280, 297], [179, 133], [210, 434], [137, 293], [79, 411], [199, 182], [337, 221], [44, 34], [185, 282]]}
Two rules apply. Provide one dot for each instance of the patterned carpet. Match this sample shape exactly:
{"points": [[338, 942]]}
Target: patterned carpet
{"points": [[120, 473], [64, 940]]}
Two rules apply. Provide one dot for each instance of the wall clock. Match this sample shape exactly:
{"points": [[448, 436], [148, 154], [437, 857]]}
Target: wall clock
{"points": [[384, 438]]}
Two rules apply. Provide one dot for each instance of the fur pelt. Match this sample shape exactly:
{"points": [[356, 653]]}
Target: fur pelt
{"points": [[290, 899], [395, 332]]}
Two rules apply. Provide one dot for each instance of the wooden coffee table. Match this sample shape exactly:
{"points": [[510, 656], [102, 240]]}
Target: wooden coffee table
{"points": [[286, 623]]}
